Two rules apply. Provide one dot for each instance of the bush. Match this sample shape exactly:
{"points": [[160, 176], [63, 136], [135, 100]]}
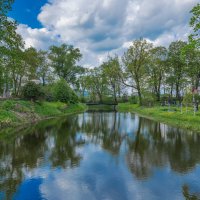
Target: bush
{"points": [[32, 91], [48, 93], [148, 99], [133, 99], [63, 93]]}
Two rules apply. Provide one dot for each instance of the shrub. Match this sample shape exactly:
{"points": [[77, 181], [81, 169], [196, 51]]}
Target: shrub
{"points": [[32, 91], [63, 93], [49, 93], [133, 99], [148, 99]]}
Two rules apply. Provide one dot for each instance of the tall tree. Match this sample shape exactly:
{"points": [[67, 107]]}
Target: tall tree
{"points": [[156, 69], [192, 60], [31, 57], [96, 84], [195, 24], [111, 70], [13, 56], [135, 61], [64, 60], [5, 6], [44, 70], [176, 66]]}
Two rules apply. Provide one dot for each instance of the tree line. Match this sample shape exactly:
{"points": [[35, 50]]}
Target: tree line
{"points": [[145, 72]]}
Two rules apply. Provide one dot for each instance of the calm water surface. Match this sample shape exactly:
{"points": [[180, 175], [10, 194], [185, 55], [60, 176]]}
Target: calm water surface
{"points": [[104, 156]]}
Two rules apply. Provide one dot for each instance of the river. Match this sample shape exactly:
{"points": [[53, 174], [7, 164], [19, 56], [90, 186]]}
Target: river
{"points": [[100, 156]]}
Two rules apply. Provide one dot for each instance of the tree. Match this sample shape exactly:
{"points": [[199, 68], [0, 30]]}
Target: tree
{"points": [[32, 61], [195, 24], [191, 57], [5, 6], [12, 52], [44, 72], [96, 84], [176, 66], [63, 60], [156, 69], [135, 61], [111, 70]]}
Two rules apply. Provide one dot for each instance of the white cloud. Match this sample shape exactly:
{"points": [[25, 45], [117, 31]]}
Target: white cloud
{"points": [[108, 26]]}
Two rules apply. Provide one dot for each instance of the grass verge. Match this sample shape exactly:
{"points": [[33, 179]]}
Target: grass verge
{"points": [[18, 112], [172, 116]]}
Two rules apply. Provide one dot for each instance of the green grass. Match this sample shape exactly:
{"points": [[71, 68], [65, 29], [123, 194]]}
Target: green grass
{"points": [[14, 112], [172, 116]]}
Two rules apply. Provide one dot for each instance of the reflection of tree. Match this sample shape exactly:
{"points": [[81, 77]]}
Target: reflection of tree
{"points": [[64, 152], [24, 153], [56, 142], [137, 159], [188, 195], [156, 145], [103, 128], [29, 150]]}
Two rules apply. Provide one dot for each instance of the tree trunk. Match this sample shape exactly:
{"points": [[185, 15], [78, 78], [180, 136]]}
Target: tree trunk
{"points": [[139, 92]]}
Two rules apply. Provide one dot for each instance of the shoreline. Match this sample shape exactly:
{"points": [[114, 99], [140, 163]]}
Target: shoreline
{"points": [[160, 114], [28, 113]]}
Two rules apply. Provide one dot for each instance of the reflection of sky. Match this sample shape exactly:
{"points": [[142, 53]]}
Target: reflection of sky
{"points": [[103, 176]]}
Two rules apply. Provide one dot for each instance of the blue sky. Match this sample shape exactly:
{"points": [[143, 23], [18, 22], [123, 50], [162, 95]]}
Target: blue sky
{"points": [[26, 12], [101, 27]]}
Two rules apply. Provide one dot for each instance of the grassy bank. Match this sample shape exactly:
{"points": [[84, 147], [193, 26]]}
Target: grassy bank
{"points": [[20, 112], [172, 116]]}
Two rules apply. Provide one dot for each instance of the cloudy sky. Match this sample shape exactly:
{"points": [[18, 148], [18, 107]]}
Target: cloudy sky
{"points": [[101, 27]]}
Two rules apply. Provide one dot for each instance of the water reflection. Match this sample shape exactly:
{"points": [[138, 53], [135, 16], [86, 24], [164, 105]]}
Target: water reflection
{"points": [[140, 146], [188, 195]]}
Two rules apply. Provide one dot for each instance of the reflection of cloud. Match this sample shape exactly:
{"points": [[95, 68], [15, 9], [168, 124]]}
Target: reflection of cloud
{"points": [[101, 175], [102, 26], [93, 180]]}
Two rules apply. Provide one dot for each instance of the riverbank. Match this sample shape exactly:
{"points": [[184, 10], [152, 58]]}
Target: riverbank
{"points": [[172, 116], [16, 112]]}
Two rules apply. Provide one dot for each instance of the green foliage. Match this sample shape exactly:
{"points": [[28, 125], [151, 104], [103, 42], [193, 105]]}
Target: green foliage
{"points": [[156, 69], [135, 60], [188, 99], [5, 6], [177, 66], [62, 92], [111, 71], [96, 84], [32, 91], [148, 101], [195, 24], [133, 99], [63, 60], [49, 93]]}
